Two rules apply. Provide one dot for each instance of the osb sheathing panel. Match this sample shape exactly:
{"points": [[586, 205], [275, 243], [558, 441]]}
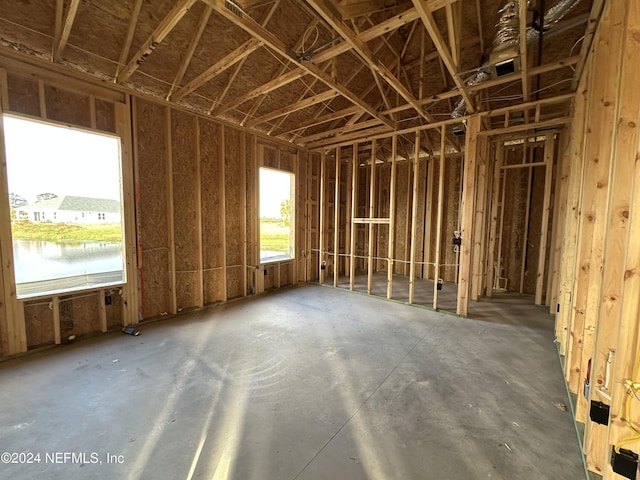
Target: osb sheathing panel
{"points": [[269, 156], [234, 193], [150, 138], [252, 177], [535, 225], [269, 277], [420, 215], [514, 225], [114, 311], [403, 214], [212, 240], [382, 239], [85, 314], [39, 324], [301, 217], [23, 95], [286, 274], [38, 21], [66, 106], [105, 116], [185, 207]]}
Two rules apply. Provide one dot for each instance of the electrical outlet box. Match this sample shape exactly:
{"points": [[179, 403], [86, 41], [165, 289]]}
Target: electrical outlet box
{"points": [[624, 463], [599, 412]]}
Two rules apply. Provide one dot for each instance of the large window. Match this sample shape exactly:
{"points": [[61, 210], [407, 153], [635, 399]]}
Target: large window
{"points": [[276, 215], [66, 213]]}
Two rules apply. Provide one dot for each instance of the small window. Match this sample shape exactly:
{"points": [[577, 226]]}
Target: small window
{"points": [[277, 193]]}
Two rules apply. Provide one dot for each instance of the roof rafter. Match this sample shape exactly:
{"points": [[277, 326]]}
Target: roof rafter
{"points": [[133, 21], [323, 119], [236, 70], [333, 17], [308, 102], [258, 103], [438, 41], [65, 29], [252, 27], [380, 29], [186, 61], [243, 51], [524, 61], [167, 24]]}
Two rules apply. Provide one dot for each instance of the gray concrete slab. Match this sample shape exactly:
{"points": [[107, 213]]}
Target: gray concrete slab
{"points": [[304, 383]]}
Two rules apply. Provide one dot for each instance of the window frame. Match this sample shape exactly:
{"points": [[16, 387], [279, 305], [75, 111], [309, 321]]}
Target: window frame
{"points": [[292, 217]]}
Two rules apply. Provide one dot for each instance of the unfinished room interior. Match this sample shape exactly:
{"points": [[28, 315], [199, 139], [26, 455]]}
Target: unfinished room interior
{"points": [[313, 239]]}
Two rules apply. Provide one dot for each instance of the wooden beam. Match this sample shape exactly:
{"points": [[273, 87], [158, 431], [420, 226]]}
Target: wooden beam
{"points": [[274, 43], [243, 51], [479, 235], [372, 213], [332, 16], [414, 219], [133, 21], [321, 206], [336, 221], [467, 209], [549, 146], [354, 211], [323, 119], [348, 138], [592, 25], [57, 25], [336, 132], [524, 62], [159, 34], [308, 102], [186, 60], [440, 214], [554, 122], [232, 77], [438, 41], [261, 90], [454, 24], [392, 215], [173, 299], [63, 36], [495, 199], [380, 29]]}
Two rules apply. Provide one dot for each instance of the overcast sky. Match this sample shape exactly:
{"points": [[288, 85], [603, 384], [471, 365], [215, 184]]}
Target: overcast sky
{"points": [[43, 158], [275, 187]]}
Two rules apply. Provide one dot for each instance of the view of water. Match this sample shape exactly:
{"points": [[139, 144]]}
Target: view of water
{"points": [[56, 266]]}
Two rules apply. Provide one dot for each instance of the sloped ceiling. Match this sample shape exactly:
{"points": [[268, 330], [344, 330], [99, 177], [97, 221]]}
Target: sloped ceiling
{"points": [[304, 71]]}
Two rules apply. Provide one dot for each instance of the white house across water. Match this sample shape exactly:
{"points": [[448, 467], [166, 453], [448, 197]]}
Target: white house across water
{"points": [[71, 209]]}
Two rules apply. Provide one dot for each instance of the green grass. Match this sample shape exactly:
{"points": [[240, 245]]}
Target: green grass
{"points": [[274, 235], [60, 232]]}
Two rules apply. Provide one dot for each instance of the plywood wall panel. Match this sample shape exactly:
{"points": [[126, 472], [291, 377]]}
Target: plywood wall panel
{"points": [[114, 311], [211, 198], [68, 107], [23, 95], [185, 207], [152, 207], [39, 324], [84, 314], [402, 215], [105, 115], [234, 200]]}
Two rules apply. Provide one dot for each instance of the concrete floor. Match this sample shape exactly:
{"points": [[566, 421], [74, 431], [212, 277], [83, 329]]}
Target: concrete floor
{"points": [[304, 383]]}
